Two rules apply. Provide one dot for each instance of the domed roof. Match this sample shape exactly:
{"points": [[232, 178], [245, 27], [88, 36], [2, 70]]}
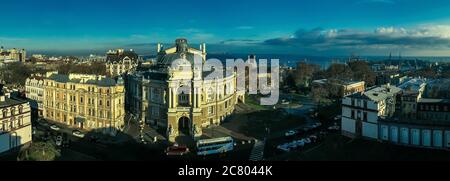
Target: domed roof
{"points": [[181, 48]]}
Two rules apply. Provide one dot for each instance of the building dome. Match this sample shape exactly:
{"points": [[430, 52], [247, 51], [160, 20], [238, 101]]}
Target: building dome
{"points": [[181, 50]]}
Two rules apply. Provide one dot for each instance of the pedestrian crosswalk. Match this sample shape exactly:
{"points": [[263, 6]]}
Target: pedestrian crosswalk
{"points": [[257, 153]]}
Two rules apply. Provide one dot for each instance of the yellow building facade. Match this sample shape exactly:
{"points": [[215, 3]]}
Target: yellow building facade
{"points": [[86, 102]]}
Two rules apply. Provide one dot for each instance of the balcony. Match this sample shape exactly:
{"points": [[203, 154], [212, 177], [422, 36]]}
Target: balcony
{"points": [[183, 109]]}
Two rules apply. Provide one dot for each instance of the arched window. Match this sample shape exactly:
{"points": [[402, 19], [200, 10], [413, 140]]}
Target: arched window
{"points": [[13, 111], [210, 94], [5, 113], [12, 123]]}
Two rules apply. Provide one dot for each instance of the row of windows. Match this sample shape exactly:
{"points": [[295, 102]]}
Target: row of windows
{"points": [[359, 115], [434, 116], [12, 111], [91, 112], [34, 91], [90, 102], [11, 125], [358, 103], [434, 108]]}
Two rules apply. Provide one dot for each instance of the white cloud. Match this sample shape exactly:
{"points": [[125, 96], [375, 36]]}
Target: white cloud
{"points": [[424, 37]]}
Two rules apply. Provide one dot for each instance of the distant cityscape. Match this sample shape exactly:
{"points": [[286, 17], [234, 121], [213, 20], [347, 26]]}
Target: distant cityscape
{"points": [[82, 106], [255, 84]]}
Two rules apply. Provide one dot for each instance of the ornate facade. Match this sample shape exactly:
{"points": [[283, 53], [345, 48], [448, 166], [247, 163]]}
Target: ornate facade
{"points": [[87, 102], [120, 61], [183, 102], [15, 123]]}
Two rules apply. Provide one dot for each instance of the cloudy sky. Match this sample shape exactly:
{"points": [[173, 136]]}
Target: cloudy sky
{"points": [[306, 27]]}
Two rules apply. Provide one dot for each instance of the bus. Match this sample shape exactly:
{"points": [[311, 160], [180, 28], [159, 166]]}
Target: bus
{"points": [[215, 145]]}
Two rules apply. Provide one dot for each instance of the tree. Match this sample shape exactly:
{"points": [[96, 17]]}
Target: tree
{"points": [[339, 71], [319, 93], [362, 71], [96, 68], [39, 151], [15, 73], [305, 73]]}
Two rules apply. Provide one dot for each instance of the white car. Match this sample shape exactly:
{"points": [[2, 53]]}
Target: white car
{"points": [[307, 140], [336, 128], [78, 134], [316, 125], [58, 140], [300, 143], [290, 133], [54, 127], [293, 145], [284, 148], [338, 117]]}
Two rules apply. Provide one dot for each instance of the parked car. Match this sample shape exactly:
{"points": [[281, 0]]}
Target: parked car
{"points": [[54, 127], [78, 134], [94, 139], [307, 141], [334, 128], [58, 140], [177, 150], [338, 117], [42, 122], [290, 133], [316, 125], [300, 143], [284, 147], [313, 138]]}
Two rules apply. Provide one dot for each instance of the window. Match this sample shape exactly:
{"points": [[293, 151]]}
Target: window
{"points": [[100, 102], [211, 110], [13, 111], [107, 103], [353, 114], [365, 116], [210, 94], [365, 104], [11, 124], [81, 99]]}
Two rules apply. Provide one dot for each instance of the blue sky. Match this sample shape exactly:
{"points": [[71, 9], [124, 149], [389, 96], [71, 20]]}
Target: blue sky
{"points": [[309, 27]]}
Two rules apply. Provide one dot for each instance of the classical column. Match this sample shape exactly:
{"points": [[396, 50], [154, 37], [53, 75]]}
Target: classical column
{"points": [[175, 98], [170, 97]]}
